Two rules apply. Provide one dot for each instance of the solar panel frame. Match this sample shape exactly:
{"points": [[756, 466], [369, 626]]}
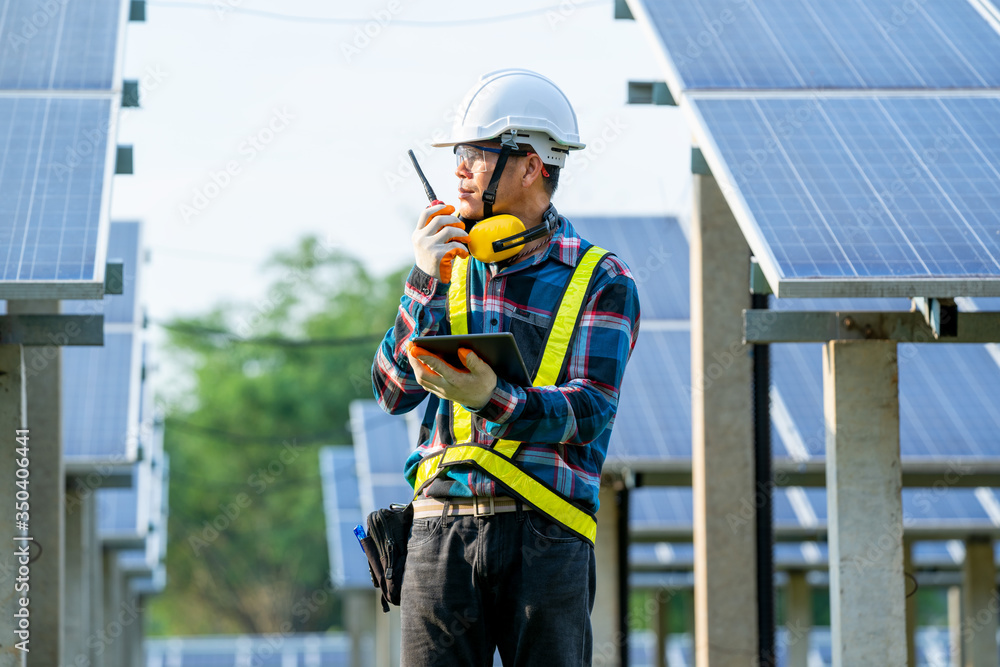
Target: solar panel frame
{"points": [[89, 288], [725, 45], [760, 242]]}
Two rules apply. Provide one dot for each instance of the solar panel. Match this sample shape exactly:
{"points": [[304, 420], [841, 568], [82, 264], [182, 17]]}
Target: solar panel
{"points": [[342, 509], [656, 251], [54, 186], [66, 45], [382, 444], [100, 402], [946, 392], [311, 650], [654, 405], [877, 196], [123, 513], [863, 44], [125, 244]]}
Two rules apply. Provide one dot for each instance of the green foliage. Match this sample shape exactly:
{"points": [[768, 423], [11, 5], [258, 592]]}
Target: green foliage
{"points": [[247, 549]]}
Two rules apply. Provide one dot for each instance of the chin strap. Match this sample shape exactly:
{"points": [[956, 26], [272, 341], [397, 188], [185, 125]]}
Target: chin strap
{"points": [[490, 196]]}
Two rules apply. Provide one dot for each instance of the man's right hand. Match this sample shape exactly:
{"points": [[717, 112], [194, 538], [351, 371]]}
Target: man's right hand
{"points": [[438, 238]]}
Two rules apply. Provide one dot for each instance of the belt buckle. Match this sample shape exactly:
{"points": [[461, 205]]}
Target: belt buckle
{"points": [[475, 507]]}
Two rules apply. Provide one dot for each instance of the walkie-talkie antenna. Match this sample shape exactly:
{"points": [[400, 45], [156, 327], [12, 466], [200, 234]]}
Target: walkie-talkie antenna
{"points": [[423, 179]]}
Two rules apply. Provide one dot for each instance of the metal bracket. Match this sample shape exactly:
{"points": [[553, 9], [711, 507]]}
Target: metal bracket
{"points": [[773, 326], [52, 330], [622, 10], [941, 315], [758, 281], [650, 92], [698, 163], [114, 277]]}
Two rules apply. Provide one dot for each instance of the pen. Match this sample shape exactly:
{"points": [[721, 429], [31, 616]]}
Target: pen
{"points": [[359, 532]]}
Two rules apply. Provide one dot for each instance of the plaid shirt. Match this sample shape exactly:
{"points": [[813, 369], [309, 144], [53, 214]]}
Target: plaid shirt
{"points": [[565, 428]]}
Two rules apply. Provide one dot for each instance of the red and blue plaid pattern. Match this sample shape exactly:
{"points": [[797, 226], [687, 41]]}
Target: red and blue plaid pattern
{"points": [[565, 428]]}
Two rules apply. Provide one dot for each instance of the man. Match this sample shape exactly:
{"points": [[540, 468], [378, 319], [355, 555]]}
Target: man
{"points": [[506, 477]]}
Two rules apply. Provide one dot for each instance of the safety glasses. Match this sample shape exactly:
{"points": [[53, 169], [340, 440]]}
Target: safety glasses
{"points": [[477, 158]]}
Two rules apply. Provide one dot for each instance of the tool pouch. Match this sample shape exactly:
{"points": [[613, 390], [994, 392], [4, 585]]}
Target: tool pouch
{"points": [[385, 546]]}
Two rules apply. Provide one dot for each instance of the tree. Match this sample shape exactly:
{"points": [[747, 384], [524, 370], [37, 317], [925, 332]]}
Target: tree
{"points": [[270, 383]]}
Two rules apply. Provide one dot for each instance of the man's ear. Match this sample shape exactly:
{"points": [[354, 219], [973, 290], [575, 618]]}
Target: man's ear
{"points": [[532, 170]]}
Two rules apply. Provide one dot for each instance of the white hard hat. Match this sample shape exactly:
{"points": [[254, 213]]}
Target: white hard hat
{"points": [[518, 104]]}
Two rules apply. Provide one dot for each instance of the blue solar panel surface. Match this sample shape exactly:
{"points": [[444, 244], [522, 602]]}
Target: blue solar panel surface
{"points": [[745, 44], [100, 400], [52, 170], [654, 405], [656, 251], [878, 191], [946, 391], [256, 650], [383, 439], [342, 509], [123, 513], [123, 244], [63, 45]]}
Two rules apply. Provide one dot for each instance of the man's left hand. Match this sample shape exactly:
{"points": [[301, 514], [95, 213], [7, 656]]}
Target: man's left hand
{"points": [[472, 386]]}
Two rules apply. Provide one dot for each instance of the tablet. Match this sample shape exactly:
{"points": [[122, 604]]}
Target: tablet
{"points": [[499, 350]]}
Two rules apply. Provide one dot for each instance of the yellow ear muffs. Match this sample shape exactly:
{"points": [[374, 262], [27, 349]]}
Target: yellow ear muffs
{"points": [[485, 232]]}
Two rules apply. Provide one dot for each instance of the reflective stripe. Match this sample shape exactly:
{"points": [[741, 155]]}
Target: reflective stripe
{"points": [[498, 462], [458, 314], [518, 483]]}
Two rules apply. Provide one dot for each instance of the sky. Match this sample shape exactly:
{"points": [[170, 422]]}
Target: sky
{"points": [[256, 129]]}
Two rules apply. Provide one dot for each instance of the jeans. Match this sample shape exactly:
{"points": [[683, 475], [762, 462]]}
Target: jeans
{"points": [[515, 582]]}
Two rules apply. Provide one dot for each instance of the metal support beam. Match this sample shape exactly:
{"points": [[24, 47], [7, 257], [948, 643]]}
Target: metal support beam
{"points": [[922, 531], [13, 416], [51, 331], [903, 327], [798, 621], [864, 503], [48, 489], [725, 566], [359, 616], [662, 629], [957, 473], [979, 591], [955, 626], [606, 617]]}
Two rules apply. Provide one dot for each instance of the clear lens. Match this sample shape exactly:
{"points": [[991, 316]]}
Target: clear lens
{"points": [[475, 158]]}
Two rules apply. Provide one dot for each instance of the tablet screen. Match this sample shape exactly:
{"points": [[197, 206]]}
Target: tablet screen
{"points": [[499, 350]]}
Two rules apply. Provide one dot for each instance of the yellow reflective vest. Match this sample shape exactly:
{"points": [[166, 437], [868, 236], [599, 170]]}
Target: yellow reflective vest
{"points": [[500, 460]]}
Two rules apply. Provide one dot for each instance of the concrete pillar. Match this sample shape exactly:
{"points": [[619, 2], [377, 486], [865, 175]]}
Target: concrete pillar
{"points": [[911, 604], [955, 626], [867, 588], [725, 568], [359, 617], [798, 622], [48, 491], [388, 637], [662, 628], [13, 416], [979, 629], [109, 652], [606, 618], [80, 536], [95, 561], [134, 633]]}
